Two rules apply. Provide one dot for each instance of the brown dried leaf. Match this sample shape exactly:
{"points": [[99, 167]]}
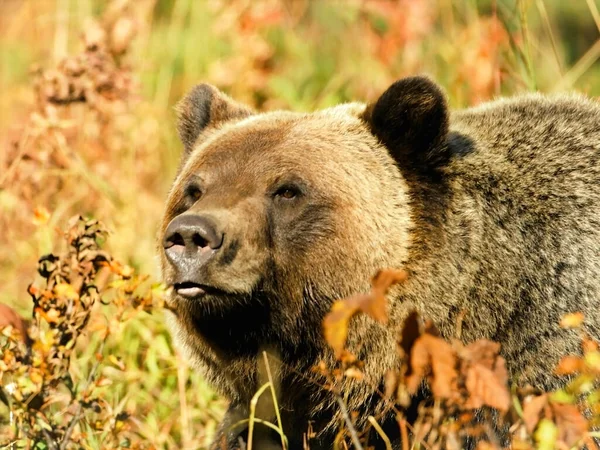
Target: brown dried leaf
{"points": [[532, 410], [9, 317], [375, 303], [571, 424], [485, 388], [482, 352], [431, 352], [411, 331]]}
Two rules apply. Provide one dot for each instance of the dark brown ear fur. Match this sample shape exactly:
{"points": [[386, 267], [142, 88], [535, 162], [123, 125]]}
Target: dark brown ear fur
{"points": [[411, 120], [205, 106]]}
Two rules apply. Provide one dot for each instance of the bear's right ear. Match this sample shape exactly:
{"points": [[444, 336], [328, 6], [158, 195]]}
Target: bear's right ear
{"points": [[205, 106], [411, 120]]}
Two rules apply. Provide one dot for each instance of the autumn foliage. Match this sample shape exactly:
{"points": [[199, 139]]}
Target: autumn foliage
{"points": [[471, 396], [51, 405]]}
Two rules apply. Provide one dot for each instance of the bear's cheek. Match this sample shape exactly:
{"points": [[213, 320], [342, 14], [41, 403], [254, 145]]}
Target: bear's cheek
{"points": [[243, 272]]}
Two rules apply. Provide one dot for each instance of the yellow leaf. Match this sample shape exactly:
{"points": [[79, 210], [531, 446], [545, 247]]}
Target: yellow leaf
{"points": [[335, 325], [36, 377], [113, 359], [572, 320], [546, 435], [66, 290], [353, 372]]}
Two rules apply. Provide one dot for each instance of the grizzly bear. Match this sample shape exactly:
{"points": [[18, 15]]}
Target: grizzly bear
{"points": [[494, 211]]}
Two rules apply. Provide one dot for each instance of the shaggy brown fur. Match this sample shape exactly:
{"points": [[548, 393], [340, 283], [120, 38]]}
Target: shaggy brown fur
{"points": [[493, 210]]}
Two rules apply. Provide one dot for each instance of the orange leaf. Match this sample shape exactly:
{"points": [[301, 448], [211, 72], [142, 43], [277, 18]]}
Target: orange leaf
{"points": [[51, 316], [336, 322], [435, 353], [482, 352], [589, 345], [532, 410], [375, 306], [41, 216], [569, 365]]}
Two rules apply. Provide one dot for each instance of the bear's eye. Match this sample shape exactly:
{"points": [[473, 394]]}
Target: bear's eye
{"points": [[192, 193], [287, 192]]}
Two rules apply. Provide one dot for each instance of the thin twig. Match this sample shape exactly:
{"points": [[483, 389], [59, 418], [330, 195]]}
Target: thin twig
{"points": [[50, 441], [79, 410], [351, 429], [74, 420]]}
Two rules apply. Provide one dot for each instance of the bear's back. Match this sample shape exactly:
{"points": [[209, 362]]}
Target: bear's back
{"points": [[526, 174]]}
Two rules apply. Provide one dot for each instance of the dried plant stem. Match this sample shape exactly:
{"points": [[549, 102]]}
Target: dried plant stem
{"points": [[544, 14], [50, 441], [594, 11], [403, 432], [351, 429], [252, 418], [386, 439], [76, 416], [275, 404]]}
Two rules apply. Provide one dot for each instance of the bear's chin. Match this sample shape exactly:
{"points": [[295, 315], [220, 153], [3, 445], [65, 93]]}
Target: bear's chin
{"points": [[233, 327]]}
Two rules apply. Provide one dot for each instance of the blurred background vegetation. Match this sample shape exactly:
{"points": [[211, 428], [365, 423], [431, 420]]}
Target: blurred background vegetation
{"points": [[114, 158]]}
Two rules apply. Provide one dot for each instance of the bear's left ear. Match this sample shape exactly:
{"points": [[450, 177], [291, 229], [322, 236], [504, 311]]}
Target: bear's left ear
{"points": [[411, 120]]}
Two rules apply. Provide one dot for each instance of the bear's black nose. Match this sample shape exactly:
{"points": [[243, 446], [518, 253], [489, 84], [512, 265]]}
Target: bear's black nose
{"points": [[191, 237]]}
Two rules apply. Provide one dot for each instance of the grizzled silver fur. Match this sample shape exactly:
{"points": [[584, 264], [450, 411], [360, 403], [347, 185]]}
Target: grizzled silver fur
{"points": [[494, 211]]}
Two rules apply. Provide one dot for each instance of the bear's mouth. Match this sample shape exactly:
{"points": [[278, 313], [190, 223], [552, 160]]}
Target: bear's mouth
{"points": [[191, 289]]}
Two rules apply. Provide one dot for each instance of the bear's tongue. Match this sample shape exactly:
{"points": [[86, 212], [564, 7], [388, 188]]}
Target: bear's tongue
{"points": [[189, 289]]}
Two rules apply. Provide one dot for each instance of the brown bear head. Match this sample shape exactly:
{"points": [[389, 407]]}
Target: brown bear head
{"points": [[272, 216]]}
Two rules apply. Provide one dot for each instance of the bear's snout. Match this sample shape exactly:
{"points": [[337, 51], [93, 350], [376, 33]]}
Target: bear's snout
{"points": [[190, 241]]}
